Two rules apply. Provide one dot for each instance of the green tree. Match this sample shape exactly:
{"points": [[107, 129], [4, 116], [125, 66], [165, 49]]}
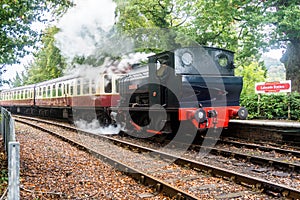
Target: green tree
{"points": [[16, 18], [152, 23], [222, 23], [48, 62], [251, 74], [246, 27], [286, 34], [18, 80]]}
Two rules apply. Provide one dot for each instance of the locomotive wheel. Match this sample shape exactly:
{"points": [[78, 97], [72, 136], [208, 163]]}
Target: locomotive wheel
{"points": [[104, 119], [144, 120]]}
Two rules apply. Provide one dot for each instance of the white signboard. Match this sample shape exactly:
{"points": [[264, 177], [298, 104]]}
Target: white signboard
{"points": [[273, 87]]}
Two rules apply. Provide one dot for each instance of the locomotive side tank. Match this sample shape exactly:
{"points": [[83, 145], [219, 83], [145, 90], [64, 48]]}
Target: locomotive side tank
{"points": [[197, 86]]}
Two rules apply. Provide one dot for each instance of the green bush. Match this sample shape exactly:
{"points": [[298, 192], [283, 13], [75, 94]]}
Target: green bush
{"points": [[272, 106]]}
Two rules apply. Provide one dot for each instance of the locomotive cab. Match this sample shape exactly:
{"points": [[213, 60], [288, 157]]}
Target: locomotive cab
{"points": [[165, 83]]}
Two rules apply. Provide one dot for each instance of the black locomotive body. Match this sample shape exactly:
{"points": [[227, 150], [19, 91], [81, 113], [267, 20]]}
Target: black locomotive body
{"points": [[197, 86]]}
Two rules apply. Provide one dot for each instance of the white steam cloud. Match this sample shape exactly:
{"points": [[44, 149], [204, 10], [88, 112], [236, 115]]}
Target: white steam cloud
{"points": [[94, 127], [84, 27], [110, 66]]}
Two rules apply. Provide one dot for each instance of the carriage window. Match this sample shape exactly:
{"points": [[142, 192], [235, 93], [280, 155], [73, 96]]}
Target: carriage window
{"points": [[86, 86], [48, 91], [117, 86], [44, 91], [93, 86], [67, 89], [25, 94], [54, 91], [78, 87], [71, 90], [59, 90], [107, 84]]}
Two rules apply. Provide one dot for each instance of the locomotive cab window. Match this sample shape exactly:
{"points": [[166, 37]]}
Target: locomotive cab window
{"points": [[161, 66], [223, 60]]}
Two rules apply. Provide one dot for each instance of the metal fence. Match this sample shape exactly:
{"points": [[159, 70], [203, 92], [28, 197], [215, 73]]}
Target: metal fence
{"points": [[12, 150]]}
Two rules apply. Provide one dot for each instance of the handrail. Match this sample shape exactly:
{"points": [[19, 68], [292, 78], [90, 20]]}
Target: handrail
{"points": [[12, 150]]}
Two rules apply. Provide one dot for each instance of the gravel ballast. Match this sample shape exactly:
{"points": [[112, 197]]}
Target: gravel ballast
{"points": [[53, 169]]}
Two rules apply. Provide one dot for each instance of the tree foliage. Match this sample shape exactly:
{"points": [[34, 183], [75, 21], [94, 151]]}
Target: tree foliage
{"points": [[48, 63], [251, 74], [16, 31], [283, 17], [246, 27], [223, 23]]}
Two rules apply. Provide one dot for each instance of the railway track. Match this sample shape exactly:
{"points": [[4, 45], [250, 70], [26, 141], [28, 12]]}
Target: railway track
{"points": [[175, 176]]}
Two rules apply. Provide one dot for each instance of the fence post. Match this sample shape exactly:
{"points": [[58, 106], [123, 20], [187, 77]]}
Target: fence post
{"points": [[14, 171], [12, 136], [2, 127]]}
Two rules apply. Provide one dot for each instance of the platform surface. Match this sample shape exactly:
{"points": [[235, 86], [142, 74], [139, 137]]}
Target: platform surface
{"points": [[276, 123]]}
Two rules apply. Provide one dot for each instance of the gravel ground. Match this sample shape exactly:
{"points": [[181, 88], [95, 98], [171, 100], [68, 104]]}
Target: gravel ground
{"points": [[53, 169]]}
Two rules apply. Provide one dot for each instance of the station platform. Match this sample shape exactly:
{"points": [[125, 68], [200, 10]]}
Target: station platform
{"points": [[274, 123]]}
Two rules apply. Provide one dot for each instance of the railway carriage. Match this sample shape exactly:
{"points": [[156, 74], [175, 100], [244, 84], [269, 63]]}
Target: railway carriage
{"points": [[66, 97]]}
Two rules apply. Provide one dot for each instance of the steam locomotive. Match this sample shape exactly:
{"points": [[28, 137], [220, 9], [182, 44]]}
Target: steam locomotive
{"points": [[194, 85]]}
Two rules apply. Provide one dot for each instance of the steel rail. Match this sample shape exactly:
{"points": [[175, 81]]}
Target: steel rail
{"points": [[260, 147], [239, 178]]}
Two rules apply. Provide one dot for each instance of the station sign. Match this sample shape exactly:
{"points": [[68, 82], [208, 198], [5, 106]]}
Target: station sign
{"points": [[273, 87]]}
